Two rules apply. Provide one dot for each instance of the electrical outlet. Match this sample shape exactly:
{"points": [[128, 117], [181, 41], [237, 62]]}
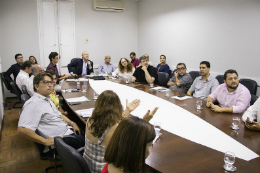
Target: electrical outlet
{"points": [[85, 40]]}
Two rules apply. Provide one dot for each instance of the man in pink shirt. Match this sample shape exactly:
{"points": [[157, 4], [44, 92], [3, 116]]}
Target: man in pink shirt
{"points": [[233, 97], [135, 61]]}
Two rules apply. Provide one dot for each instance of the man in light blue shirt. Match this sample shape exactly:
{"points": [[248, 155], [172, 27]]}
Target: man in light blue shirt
{"points": [[106, 67]]}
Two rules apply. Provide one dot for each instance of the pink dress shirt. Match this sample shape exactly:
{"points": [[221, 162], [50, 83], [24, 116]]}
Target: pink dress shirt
{"points": [[239, 99]]}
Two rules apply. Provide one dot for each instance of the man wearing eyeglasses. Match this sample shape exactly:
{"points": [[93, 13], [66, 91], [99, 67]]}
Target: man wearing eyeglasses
{"points": [[181, 81], [14, 69], [39, 113]]}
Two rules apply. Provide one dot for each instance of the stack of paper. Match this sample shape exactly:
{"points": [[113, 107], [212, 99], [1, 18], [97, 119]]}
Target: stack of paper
{"points": [[181, 98], [160, 89], [85, 112], [82, 79], [78, 99], [70, 80]]}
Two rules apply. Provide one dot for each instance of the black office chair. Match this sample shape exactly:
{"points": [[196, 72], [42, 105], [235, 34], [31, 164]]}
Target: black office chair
{"points": [[171, 73], [194, 74], [73, 68], [253, 99], [71, 159], [18, 93], [25, 91], [163, 78], [220, 79], [24, 98], [250, 84]]}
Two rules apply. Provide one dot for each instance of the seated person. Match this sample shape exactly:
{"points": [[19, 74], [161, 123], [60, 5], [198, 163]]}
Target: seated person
{"points": [[23, 76], [163, 67], [145, 73], [14, 69], [125, 69], [36, 69], [101, 125], [33, 60], [205, 84], [141, 134], [82, 66], [149, 62], [54, 58], [233, 97], [252, 114], [135, 61], [106, 67], [181, 81], [54, 97], [39, 113]]}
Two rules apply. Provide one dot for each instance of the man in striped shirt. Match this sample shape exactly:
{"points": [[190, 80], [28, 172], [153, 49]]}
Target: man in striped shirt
{"points": [[39, 113]]}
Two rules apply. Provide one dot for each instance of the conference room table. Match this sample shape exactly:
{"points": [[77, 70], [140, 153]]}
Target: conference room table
{"points": [[174, 154]]}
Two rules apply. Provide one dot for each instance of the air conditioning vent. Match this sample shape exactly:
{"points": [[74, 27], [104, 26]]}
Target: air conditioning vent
{"points": [[105, 5]]}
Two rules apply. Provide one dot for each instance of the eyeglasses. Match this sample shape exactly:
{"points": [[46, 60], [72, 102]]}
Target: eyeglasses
{"points": [[183, 68], [19, 57], [45, 82]]}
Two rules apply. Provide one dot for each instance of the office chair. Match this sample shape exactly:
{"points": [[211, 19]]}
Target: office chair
{"points": [[71, 159], [18, 93], [73, 68], [194, 74], [253, 99], [7, 84], [25, 91], [220, 79], [24, 98], [163, 78], [250, 84]]}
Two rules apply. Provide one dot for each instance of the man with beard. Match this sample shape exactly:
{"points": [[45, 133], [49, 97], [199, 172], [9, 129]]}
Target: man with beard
{"points": [[205, 84], [232, 96], [181, 81]]}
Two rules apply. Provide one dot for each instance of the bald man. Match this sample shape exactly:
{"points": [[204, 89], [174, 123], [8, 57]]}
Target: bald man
{"points": [[106, 67], [36, 69], [82, 66]]}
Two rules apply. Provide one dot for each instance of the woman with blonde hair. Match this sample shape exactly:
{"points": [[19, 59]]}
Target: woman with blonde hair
{"points": [[125, 69], [107, 114]]}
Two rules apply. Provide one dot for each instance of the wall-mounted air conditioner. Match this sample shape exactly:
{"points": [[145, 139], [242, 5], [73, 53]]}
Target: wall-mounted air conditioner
{"points": [[105, 5]]}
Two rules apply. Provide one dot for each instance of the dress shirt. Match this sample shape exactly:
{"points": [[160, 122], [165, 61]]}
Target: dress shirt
{"points": [[53, 67], [40, 113], [135, 62], [239, 99], [123, 75], [30, 86], [14, 69], [185, 83], [22, 79], [85, 68], [253, 112], [163, 68], [204, 88], [140, 75], [103, 68]]}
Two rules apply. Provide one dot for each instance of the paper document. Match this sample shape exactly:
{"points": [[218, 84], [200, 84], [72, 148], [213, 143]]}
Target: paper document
{"points": [[78, 99], [103, 75], [85, 112], [160, 89], [181, 98], [70, 80], [82, 79]]}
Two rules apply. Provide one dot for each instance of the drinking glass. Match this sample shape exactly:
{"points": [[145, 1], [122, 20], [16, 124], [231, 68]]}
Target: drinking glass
{"points": [[167, 94], [92, 74], [229, 160], [151, 84], [157, 128], [95, 96], [199, 104], [84, 88], [127, 79], [235, 123], [77, 80]]}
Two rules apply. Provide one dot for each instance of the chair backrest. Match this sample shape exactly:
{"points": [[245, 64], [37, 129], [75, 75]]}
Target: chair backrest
{"points": [[250, 84], [73, 68], [220, 79], [253, 99], [25, 91], [7, 84], [163, 78], [24, 98], [16, 90], [194, 74], [71, 160], [73, 59]]}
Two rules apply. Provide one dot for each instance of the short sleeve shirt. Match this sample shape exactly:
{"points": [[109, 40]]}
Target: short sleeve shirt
{"points": [[185, 83], [140, 75]]}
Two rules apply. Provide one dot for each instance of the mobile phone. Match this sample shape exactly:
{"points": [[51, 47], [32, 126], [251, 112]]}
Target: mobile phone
{"points": [[180, 96]]}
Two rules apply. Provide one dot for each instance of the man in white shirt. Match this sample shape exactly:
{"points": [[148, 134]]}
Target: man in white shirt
{"points": [[23, 76], [252, 114], [36, 69]]}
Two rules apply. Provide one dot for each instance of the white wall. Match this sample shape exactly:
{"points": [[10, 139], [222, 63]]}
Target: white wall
{"points": [[19, 31], [224, 32]]}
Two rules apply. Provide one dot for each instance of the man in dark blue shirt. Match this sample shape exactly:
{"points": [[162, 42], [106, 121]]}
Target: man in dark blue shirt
{"points": [[14, 69]]}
